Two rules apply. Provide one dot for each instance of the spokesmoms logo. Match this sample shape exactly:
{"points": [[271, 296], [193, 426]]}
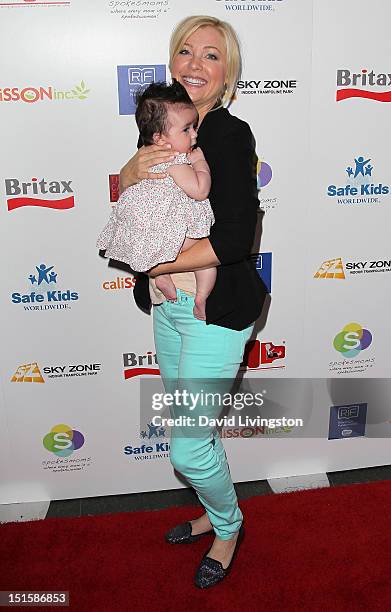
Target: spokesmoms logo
{"points": [[62, 440], [131, 78], [352, 340], [261, 355], [263, 265], [49, 297], [360, 188], [334, 268], [137, 365], [264, 174], [364, 84], [42, 193], [31, 94]]}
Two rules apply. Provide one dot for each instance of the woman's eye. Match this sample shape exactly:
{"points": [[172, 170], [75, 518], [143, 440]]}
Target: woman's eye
{"points": [[183, 52], [212, 56]]}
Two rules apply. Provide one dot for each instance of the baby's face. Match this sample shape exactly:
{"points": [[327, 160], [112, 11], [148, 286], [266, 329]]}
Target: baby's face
{"points": [[182, 133]]}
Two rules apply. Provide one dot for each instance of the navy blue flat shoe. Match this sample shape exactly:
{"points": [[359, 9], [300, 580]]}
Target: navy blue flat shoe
{"points": [[211, 571], [181, 534]]}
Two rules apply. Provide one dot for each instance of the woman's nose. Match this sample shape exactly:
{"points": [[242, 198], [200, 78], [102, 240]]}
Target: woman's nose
{"points": [[195, 62]]}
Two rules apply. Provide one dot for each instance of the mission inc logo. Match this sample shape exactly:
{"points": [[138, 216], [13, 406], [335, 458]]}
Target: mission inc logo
{"points": [[43, 293], [46, 194], [360, 188], [31, 94], [131, 78]]}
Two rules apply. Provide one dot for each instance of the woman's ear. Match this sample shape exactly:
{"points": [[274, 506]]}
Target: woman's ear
{"points": [[158, 139]]}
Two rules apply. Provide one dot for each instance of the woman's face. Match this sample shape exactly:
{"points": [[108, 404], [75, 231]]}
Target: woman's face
{"points": [[201, 66]]}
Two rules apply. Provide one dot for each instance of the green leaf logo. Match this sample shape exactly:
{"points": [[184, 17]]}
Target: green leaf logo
{"points": [[80, 91]]}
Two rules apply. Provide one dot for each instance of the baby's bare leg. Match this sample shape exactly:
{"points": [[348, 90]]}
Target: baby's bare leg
{"points": [[165, 284], [205, 282]]}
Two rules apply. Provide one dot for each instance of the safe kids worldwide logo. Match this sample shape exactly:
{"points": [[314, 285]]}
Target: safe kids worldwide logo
{"points": [[366, 84], [254, 6], [154, 444], [63, 441], [42, 291], [336, 269], [40, 93], [45, 194], [262, 355], [360, 186], [137, 365], [131, 78], [352, 339]]}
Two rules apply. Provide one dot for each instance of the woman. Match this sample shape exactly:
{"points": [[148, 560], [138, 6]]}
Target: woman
{"points": [[205, 59]]}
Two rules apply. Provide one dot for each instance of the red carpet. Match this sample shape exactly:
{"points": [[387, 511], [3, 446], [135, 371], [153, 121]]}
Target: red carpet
{"points": [[325, 549]]}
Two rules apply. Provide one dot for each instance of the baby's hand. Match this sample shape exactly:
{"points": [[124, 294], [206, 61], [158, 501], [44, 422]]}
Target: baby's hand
{"points": [[196, 155]]}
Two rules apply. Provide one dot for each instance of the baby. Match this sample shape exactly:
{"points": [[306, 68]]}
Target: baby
{"points": [[155, 219]]}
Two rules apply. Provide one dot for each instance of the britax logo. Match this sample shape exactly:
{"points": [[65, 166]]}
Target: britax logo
{"points": [[57, 194], [260, 355], [137, 365], [360, 84], [38, 94]]}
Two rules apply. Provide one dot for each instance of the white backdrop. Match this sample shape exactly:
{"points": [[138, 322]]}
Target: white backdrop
{"points": [[67, 356]]}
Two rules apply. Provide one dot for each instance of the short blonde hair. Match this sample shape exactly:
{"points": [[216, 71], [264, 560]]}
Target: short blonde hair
{"points": [[189, 25]]}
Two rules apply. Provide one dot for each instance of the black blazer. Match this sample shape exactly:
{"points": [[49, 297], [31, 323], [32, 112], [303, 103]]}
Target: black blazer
{"points": [[237, 298]]}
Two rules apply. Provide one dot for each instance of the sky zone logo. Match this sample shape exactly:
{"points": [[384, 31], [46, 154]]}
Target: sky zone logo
{"points": [[131, 78], [137, 365], [21, 194], [334, 268], [260, 355], [359, 84], [30, 372]]}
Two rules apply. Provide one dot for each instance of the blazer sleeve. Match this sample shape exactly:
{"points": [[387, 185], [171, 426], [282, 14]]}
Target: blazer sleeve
{"points": [[234, 196]]}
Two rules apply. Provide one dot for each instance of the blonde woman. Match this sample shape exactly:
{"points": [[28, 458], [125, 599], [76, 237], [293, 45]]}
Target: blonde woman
{"points": [[205, 59]]}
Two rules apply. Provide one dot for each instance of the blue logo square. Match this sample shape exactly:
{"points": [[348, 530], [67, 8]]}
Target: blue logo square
{"points": [[263, 265], [131, 78], [347, 421]]}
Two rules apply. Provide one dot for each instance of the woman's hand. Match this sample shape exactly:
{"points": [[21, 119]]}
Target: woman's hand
{"points": [[138, 166]]}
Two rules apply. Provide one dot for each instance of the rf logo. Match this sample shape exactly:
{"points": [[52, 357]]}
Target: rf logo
{"points": [[131, 78]]}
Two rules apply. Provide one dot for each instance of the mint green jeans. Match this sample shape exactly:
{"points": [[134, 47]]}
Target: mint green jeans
{"points": [[188, 352]]}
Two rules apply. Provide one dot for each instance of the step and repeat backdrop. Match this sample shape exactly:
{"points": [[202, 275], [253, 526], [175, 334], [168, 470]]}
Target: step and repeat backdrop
{"points": [[316, 91]]}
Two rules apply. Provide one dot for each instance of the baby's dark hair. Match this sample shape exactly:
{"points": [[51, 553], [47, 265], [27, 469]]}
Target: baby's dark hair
{"points": [[152, 103]]}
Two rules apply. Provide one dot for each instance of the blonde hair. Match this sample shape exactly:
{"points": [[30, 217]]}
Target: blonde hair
{"points": [[188, 26]]}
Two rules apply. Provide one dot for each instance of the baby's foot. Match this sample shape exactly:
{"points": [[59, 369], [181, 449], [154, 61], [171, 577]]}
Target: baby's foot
{"points": [[166, 286], [199, 307]]}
